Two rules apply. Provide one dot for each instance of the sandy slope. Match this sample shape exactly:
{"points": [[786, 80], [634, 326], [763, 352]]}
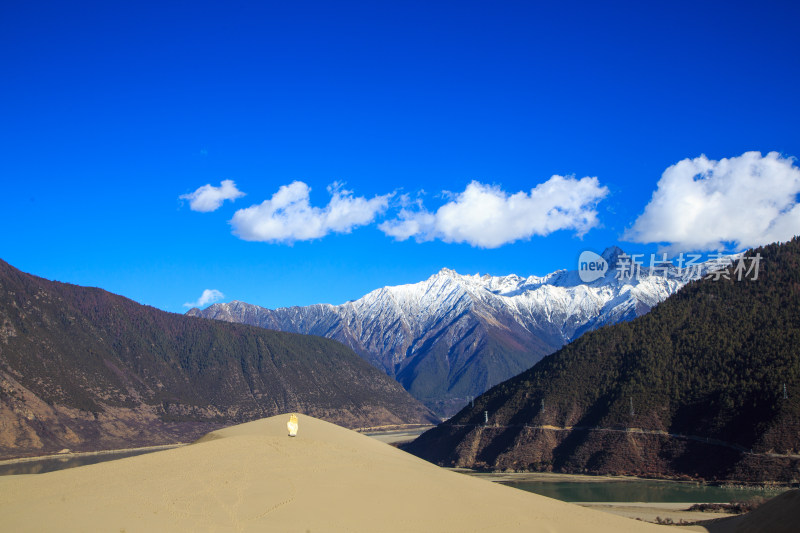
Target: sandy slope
{"points": [[253, 477], [779, 515]]}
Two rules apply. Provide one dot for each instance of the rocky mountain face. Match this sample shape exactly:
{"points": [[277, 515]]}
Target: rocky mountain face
{"points": [[84, 369], [451, 337], [706, 385]]}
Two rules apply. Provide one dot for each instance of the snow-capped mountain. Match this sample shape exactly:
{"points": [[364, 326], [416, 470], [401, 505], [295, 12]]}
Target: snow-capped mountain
{"points": [[453, 336]]}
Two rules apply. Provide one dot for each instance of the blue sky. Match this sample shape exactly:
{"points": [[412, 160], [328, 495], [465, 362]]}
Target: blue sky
{"points": [[110, 112]]}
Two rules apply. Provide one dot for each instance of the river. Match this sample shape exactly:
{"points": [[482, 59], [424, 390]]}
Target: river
{"points": [[639, 490]]}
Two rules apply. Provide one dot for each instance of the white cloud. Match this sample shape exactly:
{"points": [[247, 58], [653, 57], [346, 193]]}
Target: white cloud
{"points": [[208, 198], [740, 202], [288, 216], [209, 296], [487, 217]]}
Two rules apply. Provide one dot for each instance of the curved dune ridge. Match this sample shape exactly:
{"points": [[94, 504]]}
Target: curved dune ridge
{"points": [[254, 477]]}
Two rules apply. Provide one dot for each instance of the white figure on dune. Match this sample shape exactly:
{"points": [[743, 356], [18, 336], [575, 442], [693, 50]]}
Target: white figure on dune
{"points": [[292, 426]]}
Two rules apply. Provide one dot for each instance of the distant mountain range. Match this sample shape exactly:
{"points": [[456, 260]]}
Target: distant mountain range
{"points": [[451, 337], [84, 369], [706, 385]]}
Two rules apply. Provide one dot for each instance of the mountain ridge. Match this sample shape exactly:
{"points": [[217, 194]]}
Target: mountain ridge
{"points": [[85, 369], [451, 337], [706, 386]]}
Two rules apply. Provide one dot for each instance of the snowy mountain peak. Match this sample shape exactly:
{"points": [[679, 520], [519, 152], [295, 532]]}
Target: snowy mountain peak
{"points": [[453, 336], [447, 272], [611, 255]]}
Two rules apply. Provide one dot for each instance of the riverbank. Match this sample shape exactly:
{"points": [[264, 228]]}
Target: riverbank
{"points": [[74, 455], [397, 436], [570, 487], [591, 478], [676, 513]]}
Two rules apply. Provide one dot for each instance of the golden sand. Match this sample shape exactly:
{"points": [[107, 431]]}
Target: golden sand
{"points": [[254, 477]]}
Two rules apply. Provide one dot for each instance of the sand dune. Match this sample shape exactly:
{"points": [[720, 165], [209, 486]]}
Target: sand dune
{"points": [[779, 515], [253, 477]]}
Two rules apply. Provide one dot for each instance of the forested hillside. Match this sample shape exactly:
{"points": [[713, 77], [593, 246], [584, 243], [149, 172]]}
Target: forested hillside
{"points": [[705, 385]]}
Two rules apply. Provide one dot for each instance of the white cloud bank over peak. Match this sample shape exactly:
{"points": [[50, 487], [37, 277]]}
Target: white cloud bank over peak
{"points": [[208, 198], [209, 296], [741, 202], [487, 217], [288, 216]]}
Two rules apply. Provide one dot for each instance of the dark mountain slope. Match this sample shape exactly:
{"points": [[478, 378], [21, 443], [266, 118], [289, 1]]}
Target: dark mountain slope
{"points": [[452, 337], [708, 366], [442, 360], [82, 368]]}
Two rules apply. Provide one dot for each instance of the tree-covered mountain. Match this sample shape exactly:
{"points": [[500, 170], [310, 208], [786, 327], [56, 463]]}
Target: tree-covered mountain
{"points": [[452, 336], [81, 368], [705, 385]]}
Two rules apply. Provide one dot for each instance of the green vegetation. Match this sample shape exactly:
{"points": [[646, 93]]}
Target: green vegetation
{"points": [[709, 363]]}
